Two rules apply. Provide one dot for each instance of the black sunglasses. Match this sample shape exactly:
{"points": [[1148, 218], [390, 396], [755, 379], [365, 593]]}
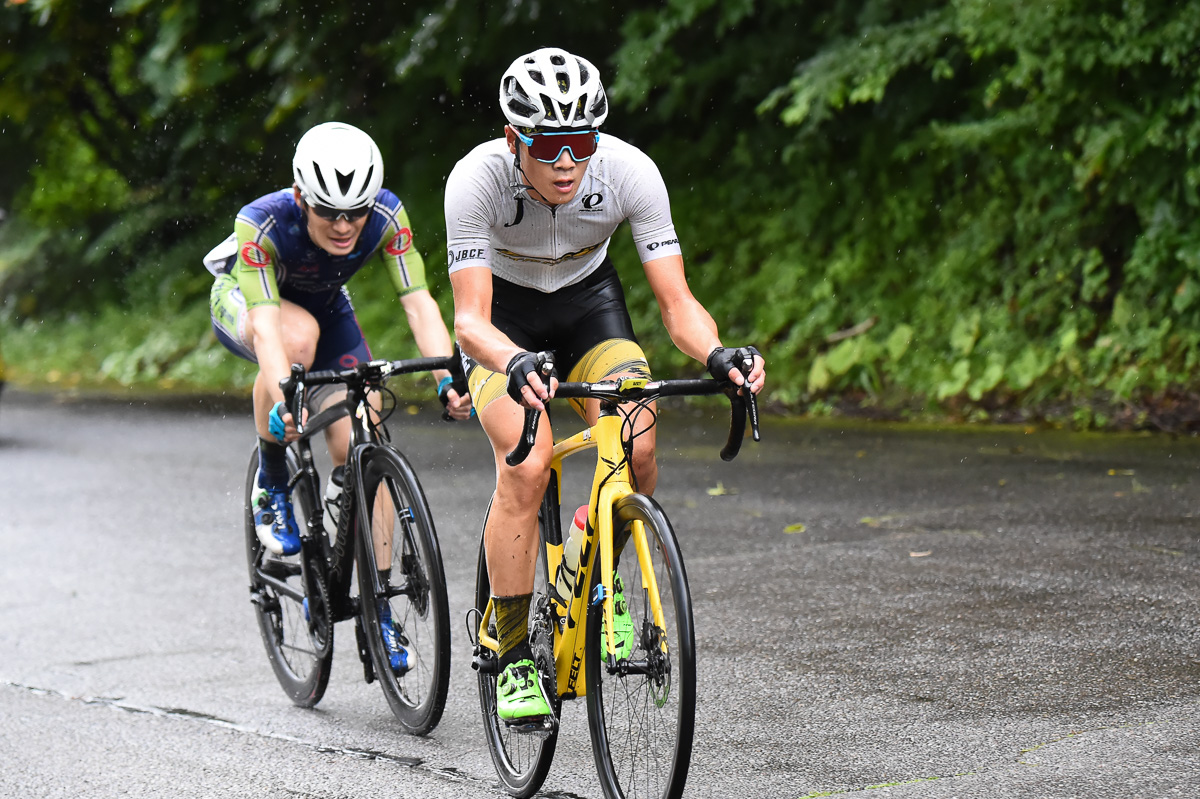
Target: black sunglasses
{"points": [[333, 214]]}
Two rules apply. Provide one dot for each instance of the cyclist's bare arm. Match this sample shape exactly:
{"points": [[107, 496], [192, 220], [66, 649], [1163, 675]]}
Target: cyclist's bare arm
{"points": [[476, 334], [266, 323], [691, 326], [429, 330]]}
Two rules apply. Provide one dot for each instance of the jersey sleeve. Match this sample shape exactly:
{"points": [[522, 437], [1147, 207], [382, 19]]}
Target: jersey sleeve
{"points": [[406, 267], [649, 210], [468, 219], [257, 261]]}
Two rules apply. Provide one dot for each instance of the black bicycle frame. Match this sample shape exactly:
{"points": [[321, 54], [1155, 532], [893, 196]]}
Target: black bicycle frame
{"points": [[365, 435]]}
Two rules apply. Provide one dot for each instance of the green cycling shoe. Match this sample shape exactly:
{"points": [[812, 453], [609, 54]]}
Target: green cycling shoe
{"points": [[622, 623], [519, 697]]}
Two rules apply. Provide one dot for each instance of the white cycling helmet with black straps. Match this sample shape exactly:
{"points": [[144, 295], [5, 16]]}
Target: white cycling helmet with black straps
{"points": [[338, 166], [550, 88]]}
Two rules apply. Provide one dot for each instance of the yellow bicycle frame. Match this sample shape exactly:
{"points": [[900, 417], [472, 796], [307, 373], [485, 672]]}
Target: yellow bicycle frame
{"points": [[610, 484]]}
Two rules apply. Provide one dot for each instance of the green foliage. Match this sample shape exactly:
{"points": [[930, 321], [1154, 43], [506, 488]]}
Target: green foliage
{"points": [[907, 204], [1004, 188]]}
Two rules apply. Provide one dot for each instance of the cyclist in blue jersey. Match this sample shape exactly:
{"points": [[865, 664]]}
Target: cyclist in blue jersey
{"points": [[279, 296]]}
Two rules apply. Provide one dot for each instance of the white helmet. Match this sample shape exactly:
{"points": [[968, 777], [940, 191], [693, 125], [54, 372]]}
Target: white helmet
{"points": [[339, 166], [550, 88]]}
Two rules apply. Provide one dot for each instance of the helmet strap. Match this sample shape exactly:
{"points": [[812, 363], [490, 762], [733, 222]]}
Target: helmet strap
{"points": [[521, 172]]}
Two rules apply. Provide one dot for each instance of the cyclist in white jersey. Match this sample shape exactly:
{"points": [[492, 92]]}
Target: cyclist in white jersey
{"points": [[529, 218]]}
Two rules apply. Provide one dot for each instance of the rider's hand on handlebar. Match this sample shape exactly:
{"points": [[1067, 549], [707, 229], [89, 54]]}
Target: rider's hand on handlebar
{"points": [[525, 382], [282, 425], [727, 363], [458, 406]]}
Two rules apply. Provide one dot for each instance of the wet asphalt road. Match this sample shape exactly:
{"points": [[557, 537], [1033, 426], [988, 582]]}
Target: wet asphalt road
{"points": [[881, 612]]}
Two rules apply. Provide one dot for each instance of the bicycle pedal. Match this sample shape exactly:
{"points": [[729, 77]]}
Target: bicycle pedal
{"points": [[278, 569], [485, 662], [544, 725]]}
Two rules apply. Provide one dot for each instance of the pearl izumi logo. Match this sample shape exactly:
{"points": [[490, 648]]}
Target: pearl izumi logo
{"points": [[592, 202], [656, 244]]}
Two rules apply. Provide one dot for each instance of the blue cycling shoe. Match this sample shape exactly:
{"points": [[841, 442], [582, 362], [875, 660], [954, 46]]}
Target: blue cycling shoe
{"points": [[274, 521], [399, 655]]}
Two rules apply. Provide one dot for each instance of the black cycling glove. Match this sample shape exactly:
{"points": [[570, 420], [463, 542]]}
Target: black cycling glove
{"points": [[518, 370], [722, 359]]}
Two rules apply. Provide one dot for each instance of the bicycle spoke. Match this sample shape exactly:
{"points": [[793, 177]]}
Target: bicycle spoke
{"points": [[522, 759], [414, 600], [641, 710], [291, 606]]}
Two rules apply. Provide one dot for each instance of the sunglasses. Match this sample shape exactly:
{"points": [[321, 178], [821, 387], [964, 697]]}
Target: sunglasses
{"points": [[334, 214], [548, 147]]}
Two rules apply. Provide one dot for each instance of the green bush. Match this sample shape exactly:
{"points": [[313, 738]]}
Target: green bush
{"points": [[913, 207]]}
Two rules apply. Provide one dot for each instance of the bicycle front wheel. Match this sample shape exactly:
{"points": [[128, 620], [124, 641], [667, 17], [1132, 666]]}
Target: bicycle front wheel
{"points": [[401, 535], [291, 601], [522, 759], [642, 707]]}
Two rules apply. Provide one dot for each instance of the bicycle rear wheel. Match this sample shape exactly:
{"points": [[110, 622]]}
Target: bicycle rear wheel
{"points": [[291, 601], [522, 759], [417, 593], [642, 710]]}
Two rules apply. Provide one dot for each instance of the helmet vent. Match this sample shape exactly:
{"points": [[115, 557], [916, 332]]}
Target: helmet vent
{"points": [[521, 107], [344, 181], [536, 75], [320, 177]]}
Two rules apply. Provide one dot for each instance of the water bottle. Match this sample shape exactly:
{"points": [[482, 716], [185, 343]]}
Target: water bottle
{"points": [[568, 568], [333, 501]]}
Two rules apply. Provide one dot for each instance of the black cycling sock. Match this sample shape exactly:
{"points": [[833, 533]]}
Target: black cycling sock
{"points": [[521, 651], [385, 579], [272, 465], [512, 627]]}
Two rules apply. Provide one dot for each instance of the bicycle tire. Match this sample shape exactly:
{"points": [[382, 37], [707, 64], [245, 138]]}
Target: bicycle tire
{"points": [[522, 759], [293, 612], [642, 717], [418, 593]]}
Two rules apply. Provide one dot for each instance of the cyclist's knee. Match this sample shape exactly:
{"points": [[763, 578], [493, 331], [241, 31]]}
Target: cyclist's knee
{"points": [[301, 331], [526, 482], [300, 344], [645, 467]]}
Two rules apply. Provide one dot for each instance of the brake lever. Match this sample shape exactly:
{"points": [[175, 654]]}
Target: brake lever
{"points": [[458, 381], [293, 389], [545, 368], [749, 397]]}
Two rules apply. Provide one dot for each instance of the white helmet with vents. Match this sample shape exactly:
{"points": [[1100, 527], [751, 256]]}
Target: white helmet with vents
{"points": [[338, 166], [550, 88]]}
